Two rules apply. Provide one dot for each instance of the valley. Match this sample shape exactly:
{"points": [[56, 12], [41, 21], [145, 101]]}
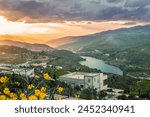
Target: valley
{"points": [[122, 54], [127, 49], [75, 50]]}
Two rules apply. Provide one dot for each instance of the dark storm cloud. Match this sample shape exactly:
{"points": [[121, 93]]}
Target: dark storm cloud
{"points": [[49, 10]]}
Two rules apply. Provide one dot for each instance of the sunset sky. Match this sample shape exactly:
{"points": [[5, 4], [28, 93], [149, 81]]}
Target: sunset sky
{"points": [[39, 21]]}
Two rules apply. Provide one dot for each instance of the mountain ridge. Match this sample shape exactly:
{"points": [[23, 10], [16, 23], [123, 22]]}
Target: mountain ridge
{"points": [[112, 39], [32, 47]]}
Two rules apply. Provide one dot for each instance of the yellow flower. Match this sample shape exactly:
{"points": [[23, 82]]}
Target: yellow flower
{"points": [[47, 77], [30, 87], [32, 97], [14, 98], [60, 90], [6, 91], [43, 89], [2, 97], [37, 92], [4, 79], [22, 95], [23, 98], [12, 95], [42, 96]]}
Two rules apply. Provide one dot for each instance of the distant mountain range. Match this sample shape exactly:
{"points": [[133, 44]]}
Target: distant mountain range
{"points": [[110, 40], [32, 47]]}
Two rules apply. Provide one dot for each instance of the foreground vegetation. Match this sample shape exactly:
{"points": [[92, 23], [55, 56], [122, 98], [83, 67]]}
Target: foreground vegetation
{"points": [[15, 87], [22, 88]]}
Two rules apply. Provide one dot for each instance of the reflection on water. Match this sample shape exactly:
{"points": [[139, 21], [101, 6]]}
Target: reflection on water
{"points": [[100, 65]]}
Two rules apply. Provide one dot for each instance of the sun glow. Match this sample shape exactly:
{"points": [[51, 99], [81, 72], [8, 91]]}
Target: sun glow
{"points": [[9, 27], [2, 20]]}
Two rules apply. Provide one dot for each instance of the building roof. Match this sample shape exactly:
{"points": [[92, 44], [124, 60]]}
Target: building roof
{"points": [[79, 75]]}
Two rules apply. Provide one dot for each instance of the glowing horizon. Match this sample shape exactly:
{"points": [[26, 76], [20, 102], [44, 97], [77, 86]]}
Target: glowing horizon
{"points": [[43, 32]]}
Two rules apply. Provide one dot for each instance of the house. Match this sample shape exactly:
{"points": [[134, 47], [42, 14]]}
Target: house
{"points": [[58, 67], [85, 80], [3, 72], [5, 65], [147, 78], [5, 68], [44, 65], [24, 65]]}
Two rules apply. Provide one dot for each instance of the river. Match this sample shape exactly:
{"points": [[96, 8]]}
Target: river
{"points": [[100, 65]]}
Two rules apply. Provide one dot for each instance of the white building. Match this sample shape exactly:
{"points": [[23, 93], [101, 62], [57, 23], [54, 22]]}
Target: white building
{"points": [[39, 65], [5, 72], [24, 72], [5, 65], [24, 65], [59, 67], [95, 80]]}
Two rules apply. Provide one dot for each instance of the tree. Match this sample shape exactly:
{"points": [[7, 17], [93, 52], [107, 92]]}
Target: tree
{"points": [[141, 89], [89, 94], [102, 94], [122, 97]]}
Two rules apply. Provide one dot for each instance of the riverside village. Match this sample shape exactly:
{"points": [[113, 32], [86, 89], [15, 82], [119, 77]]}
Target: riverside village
{"points": [[76, 85]]}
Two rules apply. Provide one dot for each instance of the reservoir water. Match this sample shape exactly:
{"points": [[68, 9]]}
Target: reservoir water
{"points": [[100, 65]]}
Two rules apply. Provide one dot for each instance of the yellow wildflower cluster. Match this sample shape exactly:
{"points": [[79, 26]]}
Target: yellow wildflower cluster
{"points": [[4, 79], [7, 95], [23, 96], [2, 97], [31, 93], [60, 90], [42, 96], [33, 97], [47, 77], [39, 94], [6, 91], [30, 87], [13, 96], [43, 89]]}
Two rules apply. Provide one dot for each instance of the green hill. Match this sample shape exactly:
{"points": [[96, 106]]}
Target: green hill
{"points": [[11, 54], [128, 49], [111, 40], [16, 55], [134, 61], [29, 46]]}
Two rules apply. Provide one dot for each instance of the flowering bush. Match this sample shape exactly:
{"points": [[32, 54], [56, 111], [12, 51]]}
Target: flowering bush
{"points": [[28, 88]]}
